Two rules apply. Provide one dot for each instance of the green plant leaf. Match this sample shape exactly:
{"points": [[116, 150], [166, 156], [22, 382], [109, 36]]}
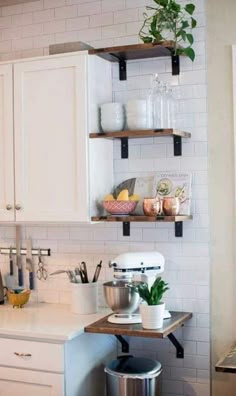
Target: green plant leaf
{"points": [[162, 3], [189, 8], [146, 39], [189, 52], [183, 35], [193, 23], [185, 24], [190, 38]]}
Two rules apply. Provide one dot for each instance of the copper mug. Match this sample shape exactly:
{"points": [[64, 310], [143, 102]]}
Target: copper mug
{"points": [[151, 206], [171, 206]]}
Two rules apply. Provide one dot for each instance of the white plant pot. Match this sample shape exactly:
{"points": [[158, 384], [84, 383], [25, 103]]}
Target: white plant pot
{"points": [[152, 315]]}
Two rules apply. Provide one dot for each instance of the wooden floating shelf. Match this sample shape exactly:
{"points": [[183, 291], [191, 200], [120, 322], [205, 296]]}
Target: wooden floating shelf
{"points": [[135, 51], [177, 320], [141, 134], [146, 133], [228, 363], [126, 220], [102, 326], [139, 218], [121, 54]]}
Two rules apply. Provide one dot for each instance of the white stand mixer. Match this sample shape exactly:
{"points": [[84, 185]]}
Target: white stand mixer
{"points": [[130, 268]]}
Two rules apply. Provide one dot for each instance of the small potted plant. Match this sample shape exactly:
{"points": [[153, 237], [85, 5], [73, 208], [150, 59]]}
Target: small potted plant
{"points": [[152, 308], [170, 20]]}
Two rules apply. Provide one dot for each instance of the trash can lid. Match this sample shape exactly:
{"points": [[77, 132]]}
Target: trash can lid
{"points": [[133, 366]]}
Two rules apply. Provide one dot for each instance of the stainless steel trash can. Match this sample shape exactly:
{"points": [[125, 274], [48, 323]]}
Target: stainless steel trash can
{"points": [[130, 376]]}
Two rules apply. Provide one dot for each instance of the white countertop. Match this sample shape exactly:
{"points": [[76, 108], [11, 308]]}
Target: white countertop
{"points": [[53, 322]]}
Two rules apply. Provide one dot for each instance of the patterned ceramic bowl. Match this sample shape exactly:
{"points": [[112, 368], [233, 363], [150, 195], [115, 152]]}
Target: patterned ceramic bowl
{"points": [[120, 207]]}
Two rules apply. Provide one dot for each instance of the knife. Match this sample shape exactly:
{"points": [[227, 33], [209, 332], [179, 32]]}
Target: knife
{"points": [[29, 263], [84, 271], [18, 257], [11, 262], [97, 272]]}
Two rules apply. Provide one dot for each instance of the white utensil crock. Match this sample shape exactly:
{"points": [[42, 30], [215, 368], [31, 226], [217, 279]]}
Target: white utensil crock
{"points": [[84, 299], [152, 315]]}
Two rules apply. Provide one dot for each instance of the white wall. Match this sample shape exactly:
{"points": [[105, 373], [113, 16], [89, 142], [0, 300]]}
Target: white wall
{"points": [[27, 30], [221, 35]]}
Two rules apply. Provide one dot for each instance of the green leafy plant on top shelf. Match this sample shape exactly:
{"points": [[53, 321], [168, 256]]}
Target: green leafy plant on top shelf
{"points": [[170, 21], [154, 294]]}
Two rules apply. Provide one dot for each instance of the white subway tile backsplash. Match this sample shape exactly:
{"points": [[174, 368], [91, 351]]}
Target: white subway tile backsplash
{"points": [[54, 3], [43, 16], [27, 31], [54, 27], [101, 19], [114, 5], [66, 12], [77, 23], [114, 31]]}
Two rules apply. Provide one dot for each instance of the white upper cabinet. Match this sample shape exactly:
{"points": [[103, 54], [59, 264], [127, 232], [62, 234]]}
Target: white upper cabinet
{"points": [[55, 105], [6, 145]]}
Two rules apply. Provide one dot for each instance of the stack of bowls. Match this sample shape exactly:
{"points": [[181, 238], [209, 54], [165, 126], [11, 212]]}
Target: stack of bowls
{"points": [[112, 117], [138, 114]]}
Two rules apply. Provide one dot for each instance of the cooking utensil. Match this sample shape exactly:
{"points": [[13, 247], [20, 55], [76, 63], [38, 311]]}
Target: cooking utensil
{"points": [[18, 257], [120, 297], [84, 271], [70, 274], [97, 272], [41, 272], [29, 263]]}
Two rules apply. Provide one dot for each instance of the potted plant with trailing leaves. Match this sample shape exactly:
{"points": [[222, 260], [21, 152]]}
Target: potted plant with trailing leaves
{"points": [[152, 308], [169, 20]]}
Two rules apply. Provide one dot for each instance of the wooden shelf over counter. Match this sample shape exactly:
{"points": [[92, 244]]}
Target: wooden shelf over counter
{"points": [[133, 218], [145, 133], [127, 219], [228, 363], [135, 51], [102, 326], [123, 53], [140, 134]]}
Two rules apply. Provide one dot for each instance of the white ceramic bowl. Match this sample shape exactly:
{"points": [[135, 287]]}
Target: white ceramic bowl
{"points": [[136, 105], [112, 125], [112, 107], [137, 124]]}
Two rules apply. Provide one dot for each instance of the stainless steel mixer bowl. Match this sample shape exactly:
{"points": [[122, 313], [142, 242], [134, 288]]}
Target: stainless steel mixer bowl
{"points": [[120, 297]]}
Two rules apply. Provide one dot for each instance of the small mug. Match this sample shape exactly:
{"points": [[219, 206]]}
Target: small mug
{"points": [[171, 206], [151, 206]]}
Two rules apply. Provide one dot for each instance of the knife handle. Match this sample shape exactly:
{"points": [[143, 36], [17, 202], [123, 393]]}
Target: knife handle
{"points": [[20, 277], [31, 280], [11, 266]]}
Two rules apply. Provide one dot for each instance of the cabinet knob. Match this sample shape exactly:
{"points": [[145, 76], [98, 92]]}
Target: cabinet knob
{"points": [[9, 207], [18, 207], [22, 354]]}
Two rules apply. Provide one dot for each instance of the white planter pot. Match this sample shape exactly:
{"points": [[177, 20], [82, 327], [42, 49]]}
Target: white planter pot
{"points": [[152, 315]]}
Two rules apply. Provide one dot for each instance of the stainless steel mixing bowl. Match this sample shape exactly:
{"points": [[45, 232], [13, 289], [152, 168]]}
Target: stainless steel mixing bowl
{"points": [[120, 297]]}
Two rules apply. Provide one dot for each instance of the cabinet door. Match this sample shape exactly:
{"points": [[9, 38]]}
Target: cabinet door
{"points": [[50, 103], [27, 383], [6, 145]]}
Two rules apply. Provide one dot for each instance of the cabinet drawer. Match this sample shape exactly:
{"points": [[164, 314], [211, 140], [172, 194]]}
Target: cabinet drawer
{"points": [[32, 355]]}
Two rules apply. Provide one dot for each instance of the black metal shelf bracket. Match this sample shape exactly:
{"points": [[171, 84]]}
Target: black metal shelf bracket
{"points": [[178, 229], [122, 69], [126, 228], [178, 346], [177, 146], [175, 65], [124, 343], [124, 147]]}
